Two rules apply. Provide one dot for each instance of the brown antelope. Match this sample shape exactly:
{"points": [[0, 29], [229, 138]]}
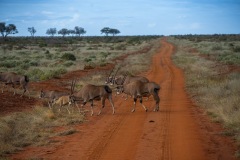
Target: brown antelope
{"points": [[52, 96], [62, 101], [138, 89], [90, 92], [15, 79], [122, 80]]}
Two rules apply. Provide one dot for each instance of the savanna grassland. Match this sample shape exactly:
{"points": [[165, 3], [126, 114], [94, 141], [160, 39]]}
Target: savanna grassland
{"points": [[45, 58], [211, 64]]}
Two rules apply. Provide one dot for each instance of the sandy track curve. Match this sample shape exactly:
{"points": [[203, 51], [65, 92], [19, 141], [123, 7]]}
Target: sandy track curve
{"points": [[178, 131]]}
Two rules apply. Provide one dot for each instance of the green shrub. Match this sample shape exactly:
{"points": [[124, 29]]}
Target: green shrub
{"points": [[68, 56], [34, 63], [24, 66], [43, 45], [9, 64], [87, 60], [35, 74], [236, 49], [53, 73], [68, 64]]}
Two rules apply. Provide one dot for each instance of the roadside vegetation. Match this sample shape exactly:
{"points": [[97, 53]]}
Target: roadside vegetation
{"points": [[211, 66], [44, 58], [35, 128]]}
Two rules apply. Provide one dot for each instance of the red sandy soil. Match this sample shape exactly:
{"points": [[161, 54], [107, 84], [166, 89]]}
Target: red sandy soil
{"points": [[178, 131]]}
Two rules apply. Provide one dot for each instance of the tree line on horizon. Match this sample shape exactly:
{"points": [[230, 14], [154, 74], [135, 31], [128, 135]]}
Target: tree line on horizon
{"points": [[6, 30]]}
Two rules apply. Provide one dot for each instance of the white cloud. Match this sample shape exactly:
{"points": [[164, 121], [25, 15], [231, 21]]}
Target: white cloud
{"points": [[152, 25], [185, 26], [47, 12], [195, 26]]}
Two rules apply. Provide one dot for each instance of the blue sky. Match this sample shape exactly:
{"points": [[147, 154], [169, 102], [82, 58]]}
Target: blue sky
{"points": [[131, 17]]}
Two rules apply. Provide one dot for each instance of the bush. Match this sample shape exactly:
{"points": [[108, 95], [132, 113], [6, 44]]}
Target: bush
{"points": [[68, 64], [53, 73], [236, 49], [68, 56], [35, 74]]}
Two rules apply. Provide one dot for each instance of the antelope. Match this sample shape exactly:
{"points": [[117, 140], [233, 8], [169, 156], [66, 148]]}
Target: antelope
{"points": [[121, 80], [90, 92], [15, 79], [52, 96], [62, 101], [139, 89]]}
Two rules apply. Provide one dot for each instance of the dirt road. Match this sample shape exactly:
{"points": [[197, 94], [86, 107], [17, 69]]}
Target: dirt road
{"points": [[178, 131]]}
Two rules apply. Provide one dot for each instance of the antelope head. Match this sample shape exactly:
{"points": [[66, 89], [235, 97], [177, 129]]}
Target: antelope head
{"points": [[109, 78], [120, 88], [114, 77]]}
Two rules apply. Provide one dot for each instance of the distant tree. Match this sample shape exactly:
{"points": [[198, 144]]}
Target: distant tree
{"points": [[63, 32], [114, 31], [79, 31], [5, 30], [32, 31], [71, 31], [105, 30], [51, 31]]}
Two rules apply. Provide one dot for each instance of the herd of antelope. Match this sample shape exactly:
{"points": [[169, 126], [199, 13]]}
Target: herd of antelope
{"points": [[135, 86]]}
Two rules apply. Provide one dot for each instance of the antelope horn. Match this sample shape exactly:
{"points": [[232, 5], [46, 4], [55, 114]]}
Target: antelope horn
{"points": [[74, 84], [124, 78], [115, 75], [110, 73]]}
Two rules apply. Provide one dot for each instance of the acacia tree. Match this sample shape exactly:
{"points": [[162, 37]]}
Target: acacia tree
{"points": [[63, 32], [105, 30], [5, 30], [71, 31], [79, 31], [51, 31], [32, 31], [114, 31]]}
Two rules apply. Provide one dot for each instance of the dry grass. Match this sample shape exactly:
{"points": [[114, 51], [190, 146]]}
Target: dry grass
{"points": [[217, 93], [34, 128], [41, 62]]}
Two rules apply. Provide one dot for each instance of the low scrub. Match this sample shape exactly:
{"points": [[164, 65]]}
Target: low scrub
{"points": [[68, 56], [35, 128]]}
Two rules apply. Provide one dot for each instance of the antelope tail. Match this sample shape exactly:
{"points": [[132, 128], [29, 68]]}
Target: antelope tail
{"points": [[107, 89], [156, 90], [26, 78]]}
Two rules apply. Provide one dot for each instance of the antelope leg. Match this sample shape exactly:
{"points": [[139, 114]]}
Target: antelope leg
{"points": [[60, 108], [143, 105], [13, 90], [111, 102], [92, 108], [78, 107], [68, 109], [134, 106], [49, 105]]}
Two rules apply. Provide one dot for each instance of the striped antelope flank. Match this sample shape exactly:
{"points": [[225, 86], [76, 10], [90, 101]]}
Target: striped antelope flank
{"points": [[52, 96], [138, 89], [15, 79], [89, 93]]}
